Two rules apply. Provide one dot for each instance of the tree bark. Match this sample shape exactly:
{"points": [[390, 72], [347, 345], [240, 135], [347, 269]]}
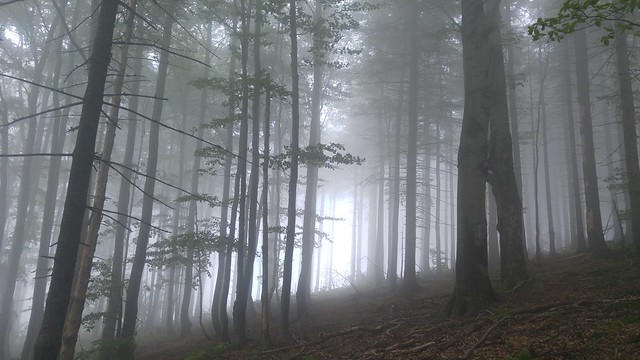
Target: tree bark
{"points": [[49, 207], [50, 336], [133, 290], [303, 293], [25, 196], [285, 332], [472, 286], [513, 259], [410, 282], [578, 240], [630, 135], [114, 304], [595, 235]]}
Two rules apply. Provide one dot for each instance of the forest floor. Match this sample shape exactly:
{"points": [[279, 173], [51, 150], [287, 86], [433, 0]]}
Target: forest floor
{"points": [[572, 307]]}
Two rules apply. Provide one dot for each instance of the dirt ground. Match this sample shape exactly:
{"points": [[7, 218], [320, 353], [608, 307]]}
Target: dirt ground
{"points": [[572, 307]]}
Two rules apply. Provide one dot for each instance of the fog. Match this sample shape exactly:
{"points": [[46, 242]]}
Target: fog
{"points": [[177, 117]]}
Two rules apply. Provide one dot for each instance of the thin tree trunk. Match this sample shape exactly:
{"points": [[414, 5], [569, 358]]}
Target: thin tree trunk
{"points": [[379, 238], [133, 290], [303, 292], [410, 282], [49, 207], [242, 283], [394, 175], [578, 240], [547, 175], [266, 336], [114, 306], [293, 176], [25, 196]]}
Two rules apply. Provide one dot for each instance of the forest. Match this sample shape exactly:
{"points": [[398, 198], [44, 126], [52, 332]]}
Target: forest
{"points": [[379, 179]]}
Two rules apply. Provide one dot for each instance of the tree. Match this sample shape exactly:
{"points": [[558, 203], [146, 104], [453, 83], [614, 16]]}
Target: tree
{"points": [[574, 13], [595, 235], [10, 276], [410, 281], [293, 177], [629, 133], [501, 174], [130, 319], [50, 336], [303, 292], [472, 286]]}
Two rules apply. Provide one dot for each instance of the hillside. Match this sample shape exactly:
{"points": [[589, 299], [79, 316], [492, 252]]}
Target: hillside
{"points": [[573, 307]]}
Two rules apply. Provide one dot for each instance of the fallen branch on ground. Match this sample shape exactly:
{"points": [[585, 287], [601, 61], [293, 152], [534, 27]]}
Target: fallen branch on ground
{"points": [[326, 337], [483, 338]]}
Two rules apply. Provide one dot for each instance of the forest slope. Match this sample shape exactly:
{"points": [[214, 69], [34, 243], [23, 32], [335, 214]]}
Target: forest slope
{"points": [[573, 307]]}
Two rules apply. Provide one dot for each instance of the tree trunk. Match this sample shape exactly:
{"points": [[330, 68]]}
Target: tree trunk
{"points": [[266, 336], [243, 283], [595, 235], [547, 176], [379, 238], [472, 286], [410, 282], [25, 196], [50, 336], [513, 259], [578, 240], [133, 290], [310, 202], [293, 176], [114, 306], [394, 176], [630, 135], [83, 267], [49, 207]]}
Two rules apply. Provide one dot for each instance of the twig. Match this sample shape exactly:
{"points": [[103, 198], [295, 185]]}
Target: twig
{"points": [[482, 339]]}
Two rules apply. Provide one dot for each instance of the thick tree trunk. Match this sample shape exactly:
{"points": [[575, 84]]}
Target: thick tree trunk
{"points": [[630, 135], [50, 337], [503, 180], [83, 267], [472, 286], [595, 235]]}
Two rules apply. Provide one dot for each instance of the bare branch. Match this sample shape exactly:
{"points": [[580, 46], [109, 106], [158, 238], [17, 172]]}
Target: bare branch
{"points": [[7, 2], [156, 46], [36, 154], [127, 215]]}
